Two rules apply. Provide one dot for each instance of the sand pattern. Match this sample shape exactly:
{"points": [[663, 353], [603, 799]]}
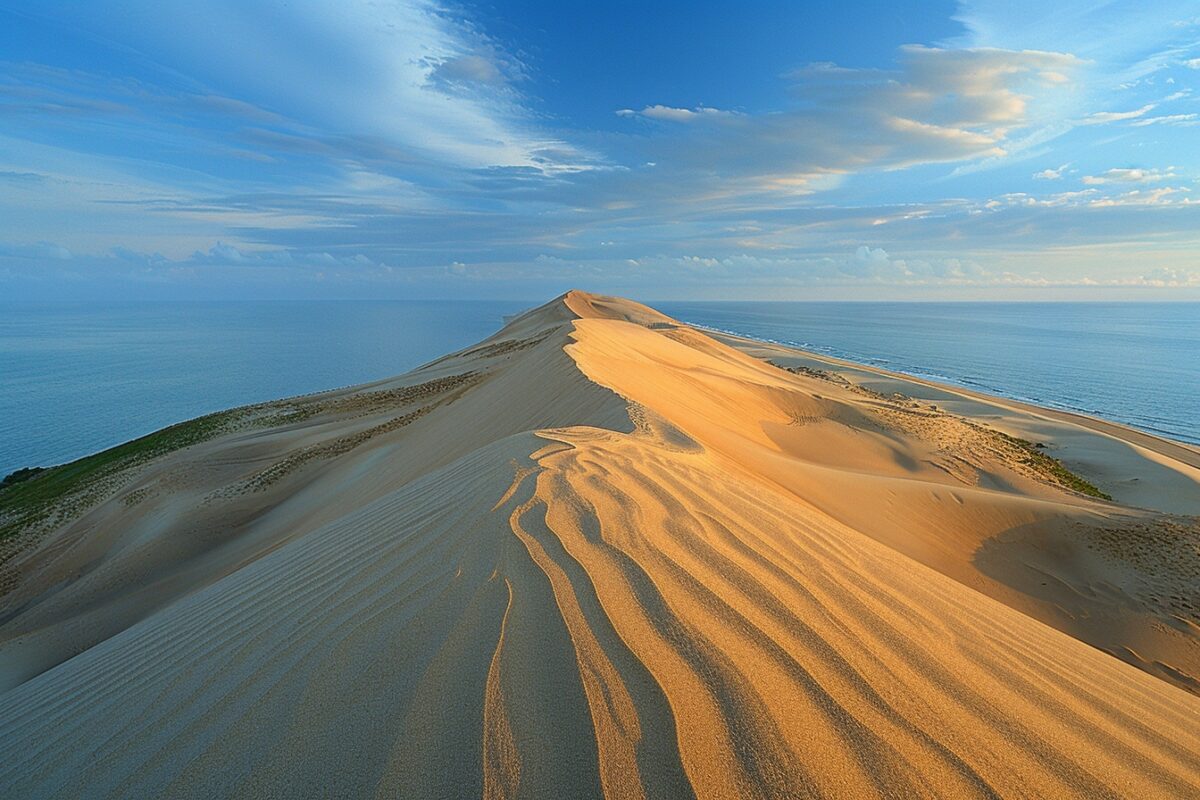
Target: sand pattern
{"points": [[620, 559]]}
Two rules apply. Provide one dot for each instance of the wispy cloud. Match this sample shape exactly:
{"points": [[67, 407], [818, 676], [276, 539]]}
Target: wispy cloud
{"points": [[939, 105], [1104, 117], [400, 143], [1049, 174], [1168, 119], [1166, 195], [468, 72], [35, 251], [669, 114], [392, 73], [1130, 175]]}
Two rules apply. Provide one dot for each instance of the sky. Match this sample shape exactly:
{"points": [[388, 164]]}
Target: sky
{"points": [[687, 150]]}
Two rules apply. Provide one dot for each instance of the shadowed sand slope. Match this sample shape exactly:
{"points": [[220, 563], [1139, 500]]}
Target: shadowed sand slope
{"points": [[600, 554]]}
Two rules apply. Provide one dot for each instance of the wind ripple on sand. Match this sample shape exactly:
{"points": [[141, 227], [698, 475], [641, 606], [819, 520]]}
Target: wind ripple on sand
{"points": [[586, 611], [826, 664]]}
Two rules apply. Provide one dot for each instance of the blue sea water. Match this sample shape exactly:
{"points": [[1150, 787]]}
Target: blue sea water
{"points": [[75, 379], [1136, 363]]}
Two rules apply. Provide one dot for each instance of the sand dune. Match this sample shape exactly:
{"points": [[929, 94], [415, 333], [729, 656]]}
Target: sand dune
{"points": [[605, 554]]}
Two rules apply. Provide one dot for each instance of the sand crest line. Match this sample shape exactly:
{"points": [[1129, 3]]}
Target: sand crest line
{"points": [[624, 558]]}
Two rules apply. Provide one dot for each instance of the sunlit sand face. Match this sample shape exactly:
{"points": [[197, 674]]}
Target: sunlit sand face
{"points": [[606, 554]]}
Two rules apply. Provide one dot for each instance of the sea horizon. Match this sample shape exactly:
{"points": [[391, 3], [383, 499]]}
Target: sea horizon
{"points": [[50, 425]]}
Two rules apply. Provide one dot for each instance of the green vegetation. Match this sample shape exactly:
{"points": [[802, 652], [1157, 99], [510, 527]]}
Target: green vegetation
{"points": [[894, 397], [811, 373], [40, 494], [22, 474], [46, 496], [1026, 452], [1031, 455]]}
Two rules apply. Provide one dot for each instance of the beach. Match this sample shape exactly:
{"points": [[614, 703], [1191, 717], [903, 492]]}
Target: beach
{"points": [[604, 553]]}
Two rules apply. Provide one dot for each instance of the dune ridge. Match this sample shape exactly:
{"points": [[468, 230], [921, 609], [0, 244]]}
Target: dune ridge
{"points": [[623, 559]]}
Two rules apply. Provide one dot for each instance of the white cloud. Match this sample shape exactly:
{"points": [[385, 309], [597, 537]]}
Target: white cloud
{"points": [[1051, 174], [1192, 63], [1170, 277], [940, 105], [467, 70], [876, 265], [868, 261], [35, 251], [670, 114], [358, 68], [1167, 119], [1122, 175], [222, 254], [1104, 117], [1093, 197], [1166, 195]]}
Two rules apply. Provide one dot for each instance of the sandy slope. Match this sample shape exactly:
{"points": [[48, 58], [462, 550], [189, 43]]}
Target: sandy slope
{"points": [[603, 554], [1136, 468]]}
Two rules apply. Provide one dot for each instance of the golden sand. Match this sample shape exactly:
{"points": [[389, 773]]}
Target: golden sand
{"points": [[603, 554]]}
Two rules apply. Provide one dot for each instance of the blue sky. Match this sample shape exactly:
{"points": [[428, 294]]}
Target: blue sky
{"points": [[240, 148]]}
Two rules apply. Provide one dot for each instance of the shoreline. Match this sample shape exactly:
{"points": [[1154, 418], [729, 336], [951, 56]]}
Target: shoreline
{"points": [[1184, 452], [1181, 451]]}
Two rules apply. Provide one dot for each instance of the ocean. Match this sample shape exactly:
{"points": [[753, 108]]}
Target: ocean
{"points": [[1136, 363], [77, 379]]}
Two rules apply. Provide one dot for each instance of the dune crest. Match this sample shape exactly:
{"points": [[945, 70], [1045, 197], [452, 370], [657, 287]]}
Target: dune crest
{"points": [[599, 554]]}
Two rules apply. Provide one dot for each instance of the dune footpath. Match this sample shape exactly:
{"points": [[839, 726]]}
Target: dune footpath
{"points": [[604, 554]]}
